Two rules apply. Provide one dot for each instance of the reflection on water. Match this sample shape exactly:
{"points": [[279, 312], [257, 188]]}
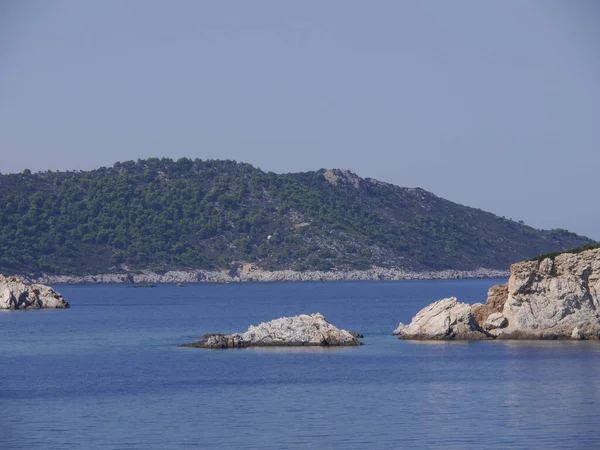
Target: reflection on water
{"points": [[590, 346], [305, 349], [439, 342]]}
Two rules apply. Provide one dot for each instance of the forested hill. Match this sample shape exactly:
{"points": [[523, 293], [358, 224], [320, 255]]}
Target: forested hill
{"points": [[192, 214]]}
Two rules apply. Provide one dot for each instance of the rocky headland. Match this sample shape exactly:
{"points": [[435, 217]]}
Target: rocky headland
{"points": [[302, 331], [556, 297], [17, 295]]}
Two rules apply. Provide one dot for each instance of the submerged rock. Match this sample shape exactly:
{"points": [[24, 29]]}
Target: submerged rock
{"points": [[446, 319], [302, 330], [17, 295]]}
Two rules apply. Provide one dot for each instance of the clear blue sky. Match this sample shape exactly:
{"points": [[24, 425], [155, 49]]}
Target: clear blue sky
{"points": [[492, 104]]}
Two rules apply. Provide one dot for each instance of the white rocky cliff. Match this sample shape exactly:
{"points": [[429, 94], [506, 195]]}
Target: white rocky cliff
{"points": [[17, 295], [555, 298], [302, 330]]}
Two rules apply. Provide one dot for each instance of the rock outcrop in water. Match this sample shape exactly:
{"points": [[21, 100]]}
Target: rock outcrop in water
{"points": [[553, 298], [17, 295], [446, 319], [302, 330]]}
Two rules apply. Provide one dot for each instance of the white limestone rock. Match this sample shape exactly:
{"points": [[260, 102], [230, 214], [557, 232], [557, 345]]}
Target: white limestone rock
{"points": [[301, 330], [495, 321], [446, 319], [16, 295], [549, 299]]}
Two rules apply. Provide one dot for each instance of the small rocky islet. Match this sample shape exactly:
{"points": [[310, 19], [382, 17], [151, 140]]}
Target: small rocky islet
{"points": [[304, 330], [556, 297], [15, 294]]}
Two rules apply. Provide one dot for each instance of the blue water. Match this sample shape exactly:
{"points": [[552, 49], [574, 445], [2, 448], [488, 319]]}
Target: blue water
{"points": [[107, 374]]}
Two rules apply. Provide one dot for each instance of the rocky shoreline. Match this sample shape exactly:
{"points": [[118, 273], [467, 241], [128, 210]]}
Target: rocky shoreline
{"points": [[251, 273], [555, 298]]}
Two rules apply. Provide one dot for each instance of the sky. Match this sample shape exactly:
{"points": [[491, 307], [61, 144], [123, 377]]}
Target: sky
{"points": [[491, 104]]}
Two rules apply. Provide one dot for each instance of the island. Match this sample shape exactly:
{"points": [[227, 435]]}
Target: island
{"points": [[208, 221], [299, 331], [555, 296], [17, 295]]}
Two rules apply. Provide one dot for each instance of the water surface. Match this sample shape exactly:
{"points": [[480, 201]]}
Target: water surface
{"points": [[108, 374]]}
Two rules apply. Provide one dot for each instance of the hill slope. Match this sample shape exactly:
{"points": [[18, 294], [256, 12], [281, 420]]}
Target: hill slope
{"points": [[161, 214]]}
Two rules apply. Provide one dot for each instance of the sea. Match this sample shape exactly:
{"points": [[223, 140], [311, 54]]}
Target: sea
{"points": [[108, 374]]}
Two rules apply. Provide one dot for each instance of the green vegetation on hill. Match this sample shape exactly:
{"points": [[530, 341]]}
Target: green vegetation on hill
{"points": [[553, 255], [163, 214]]}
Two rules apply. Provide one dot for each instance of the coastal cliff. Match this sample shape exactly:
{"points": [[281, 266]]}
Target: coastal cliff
{"points": [[303, 330], [16, 295], [554, 297]]}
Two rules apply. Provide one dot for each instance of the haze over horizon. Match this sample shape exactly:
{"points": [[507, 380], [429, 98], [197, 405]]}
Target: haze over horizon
{"points": [[493, 105]]}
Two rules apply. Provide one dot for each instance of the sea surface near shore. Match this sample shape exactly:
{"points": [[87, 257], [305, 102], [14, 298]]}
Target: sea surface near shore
{"points": [[107, 373]]}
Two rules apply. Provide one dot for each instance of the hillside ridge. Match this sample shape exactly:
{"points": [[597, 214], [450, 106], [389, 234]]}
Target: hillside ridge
{"points": [[161, 215]]}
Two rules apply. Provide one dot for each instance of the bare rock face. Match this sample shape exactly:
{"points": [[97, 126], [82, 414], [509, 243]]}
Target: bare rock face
{"points": [[549, 299], [17, 295], [496, 299], [495, 321], [554, 299], [302, 330], [446, 319]]}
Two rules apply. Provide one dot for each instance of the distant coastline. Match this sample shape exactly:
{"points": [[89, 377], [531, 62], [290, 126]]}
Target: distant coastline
{"points": [[248, 273], [331, 224]]}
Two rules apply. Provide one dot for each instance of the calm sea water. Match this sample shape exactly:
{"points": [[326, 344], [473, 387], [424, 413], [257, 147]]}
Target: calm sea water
{"points": [[107, 374]]}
